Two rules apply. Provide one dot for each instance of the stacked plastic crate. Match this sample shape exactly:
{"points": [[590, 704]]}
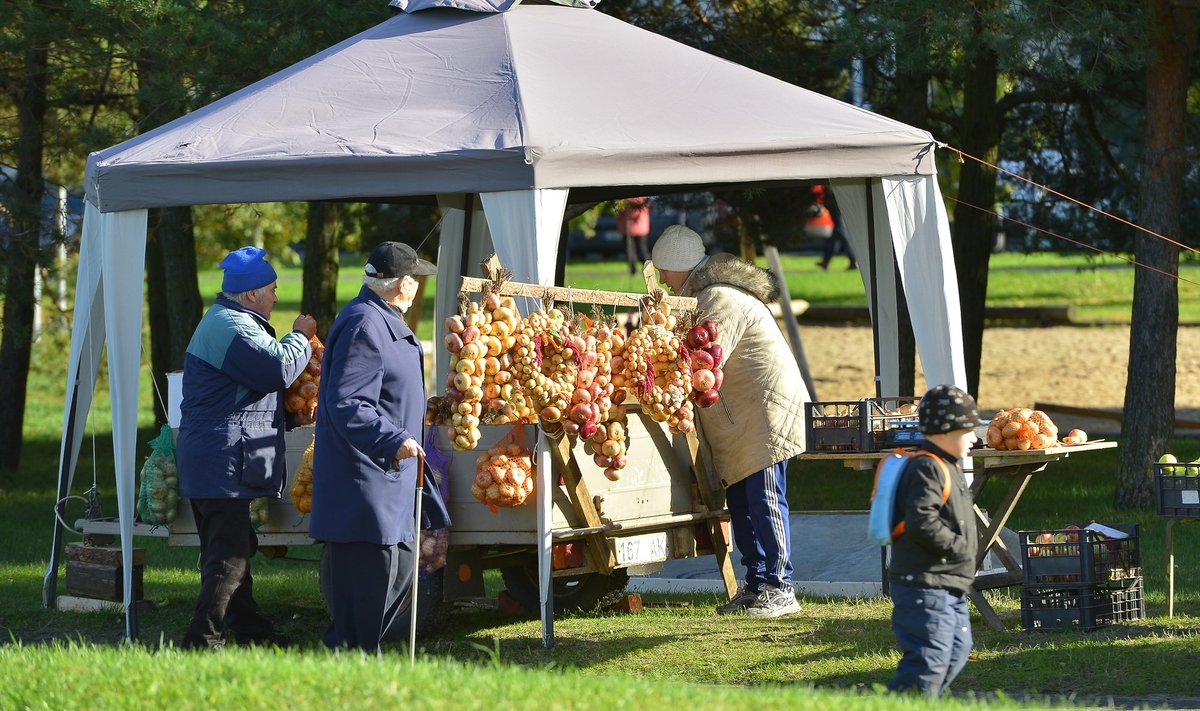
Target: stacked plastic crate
{"points": [[1177, 486], [1083, 578]]}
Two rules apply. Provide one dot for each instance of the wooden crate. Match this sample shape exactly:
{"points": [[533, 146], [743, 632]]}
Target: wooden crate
{"points": [[97, 572]]}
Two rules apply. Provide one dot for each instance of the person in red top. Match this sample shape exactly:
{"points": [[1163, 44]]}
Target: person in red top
{"points": [[825, 220], [633, 222]]}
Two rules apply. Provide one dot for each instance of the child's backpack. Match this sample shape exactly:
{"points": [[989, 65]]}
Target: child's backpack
{"points": [[880, 526]]}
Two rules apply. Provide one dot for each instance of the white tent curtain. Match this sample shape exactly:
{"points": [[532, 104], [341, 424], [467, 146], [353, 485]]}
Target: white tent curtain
{"points": [[108, 313], [87, 340], [913, 233], [514, 217], [87, 343], [449, 263], [921, 238], [122, 241], [852, 200]]}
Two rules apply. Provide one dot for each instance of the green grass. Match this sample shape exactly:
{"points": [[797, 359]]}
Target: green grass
{"points": [[34, 678], [666, 655]]}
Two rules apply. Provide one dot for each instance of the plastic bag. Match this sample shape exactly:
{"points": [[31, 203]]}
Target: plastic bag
{"points": [[434, 542], [158, 494], [259, 513]]}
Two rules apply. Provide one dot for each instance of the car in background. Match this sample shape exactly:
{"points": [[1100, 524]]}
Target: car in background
{"points": [[608, 243]]}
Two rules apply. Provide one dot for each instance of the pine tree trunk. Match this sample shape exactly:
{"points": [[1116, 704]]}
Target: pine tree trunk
{"points": [[321, 242], [972, 237], [16, 344], [1149, 415]]}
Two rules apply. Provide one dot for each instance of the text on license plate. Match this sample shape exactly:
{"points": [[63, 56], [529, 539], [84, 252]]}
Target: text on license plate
{"points": [[647, 548]]}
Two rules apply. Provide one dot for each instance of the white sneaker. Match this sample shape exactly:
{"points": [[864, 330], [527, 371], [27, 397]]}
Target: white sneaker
{"points": [[774, 602], [740, 602]]}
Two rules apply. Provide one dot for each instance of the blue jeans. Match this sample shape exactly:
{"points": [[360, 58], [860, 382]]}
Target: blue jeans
{"points": [[758, 513], [933, 629]]}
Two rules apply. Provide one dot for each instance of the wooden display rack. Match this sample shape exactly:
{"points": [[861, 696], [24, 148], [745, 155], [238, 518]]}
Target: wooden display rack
{"points": [[598, 537]]}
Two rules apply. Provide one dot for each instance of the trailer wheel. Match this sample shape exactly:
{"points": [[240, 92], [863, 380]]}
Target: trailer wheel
{"points": [[432, 610], [586, 592]]}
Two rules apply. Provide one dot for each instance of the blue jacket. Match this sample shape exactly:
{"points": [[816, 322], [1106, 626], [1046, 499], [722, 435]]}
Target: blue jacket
{"points": [[372, 399], [230, 443]]}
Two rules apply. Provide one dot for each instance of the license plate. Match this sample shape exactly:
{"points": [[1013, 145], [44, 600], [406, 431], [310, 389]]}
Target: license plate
{"points": [[647, 548]]}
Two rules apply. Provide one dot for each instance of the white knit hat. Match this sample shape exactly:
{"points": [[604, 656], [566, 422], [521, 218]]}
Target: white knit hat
{"points": [[679, 249]]}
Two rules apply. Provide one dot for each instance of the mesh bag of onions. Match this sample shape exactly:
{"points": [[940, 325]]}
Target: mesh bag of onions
{"points": [[504, 473], [301, 491], [1021, 428], [158, 495], [300, 398]]}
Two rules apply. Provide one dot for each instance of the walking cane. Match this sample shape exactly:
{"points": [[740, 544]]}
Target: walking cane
{"points": [[412, 594]]}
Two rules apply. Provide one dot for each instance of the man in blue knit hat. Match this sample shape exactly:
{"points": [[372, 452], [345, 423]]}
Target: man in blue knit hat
{"points": [[230, 448]]}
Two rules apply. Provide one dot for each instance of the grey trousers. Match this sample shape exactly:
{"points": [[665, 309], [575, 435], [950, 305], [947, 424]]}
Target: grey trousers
{"points": [[367, 586]]}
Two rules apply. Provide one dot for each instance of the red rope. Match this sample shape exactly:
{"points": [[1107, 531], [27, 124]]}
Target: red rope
{"points": [[1122, 220]]}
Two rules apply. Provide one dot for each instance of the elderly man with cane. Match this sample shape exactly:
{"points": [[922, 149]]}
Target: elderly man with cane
{"points": [[370, 412]]}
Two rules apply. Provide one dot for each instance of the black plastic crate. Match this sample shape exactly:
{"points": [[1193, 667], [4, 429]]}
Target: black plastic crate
{"points": [[1084, 607], [1177, 489], [1080, 557], [867, 425]]}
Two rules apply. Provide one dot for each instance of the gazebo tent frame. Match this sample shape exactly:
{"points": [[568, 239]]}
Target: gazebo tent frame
{"points": [[496, 117]]}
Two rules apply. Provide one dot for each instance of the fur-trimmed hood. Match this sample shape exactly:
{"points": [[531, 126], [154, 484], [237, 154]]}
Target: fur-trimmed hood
{"points": [[731, 271]]}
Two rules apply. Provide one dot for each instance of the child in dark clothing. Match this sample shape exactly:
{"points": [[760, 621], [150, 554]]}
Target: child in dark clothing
{"points": [[933, 560]]}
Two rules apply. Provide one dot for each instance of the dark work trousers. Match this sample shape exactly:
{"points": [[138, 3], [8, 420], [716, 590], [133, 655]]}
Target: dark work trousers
{"points": [[758, 513], [933, 630], [367, 586], [227, 542], [838, 241]]}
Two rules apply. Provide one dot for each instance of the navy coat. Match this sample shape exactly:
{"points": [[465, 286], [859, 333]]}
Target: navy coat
{"points": [[230, 443], [372, 399]]}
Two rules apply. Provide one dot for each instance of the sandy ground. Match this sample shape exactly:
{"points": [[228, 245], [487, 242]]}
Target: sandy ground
{"points": [[1077, 366]]}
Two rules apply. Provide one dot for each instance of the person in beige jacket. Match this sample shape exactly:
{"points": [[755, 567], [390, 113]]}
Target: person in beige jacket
{"points": [[758, 424]]}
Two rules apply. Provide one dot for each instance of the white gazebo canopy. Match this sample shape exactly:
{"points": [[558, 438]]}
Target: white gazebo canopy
{"points": [[502, 117]]}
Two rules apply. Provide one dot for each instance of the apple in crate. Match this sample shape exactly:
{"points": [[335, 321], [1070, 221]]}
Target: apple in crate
{"points": [[1170, 459]]}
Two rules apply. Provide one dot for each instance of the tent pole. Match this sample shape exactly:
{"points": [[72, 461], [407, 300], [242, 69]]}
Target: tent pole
{"points": [[50, 581], [874, 267]]}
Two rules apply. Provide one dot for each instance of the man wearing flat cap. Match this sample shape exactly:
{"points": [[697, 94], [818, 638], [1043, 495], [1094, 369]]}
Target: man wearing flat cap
{"points": [[369, 419], [230, 448], [758, 424]]}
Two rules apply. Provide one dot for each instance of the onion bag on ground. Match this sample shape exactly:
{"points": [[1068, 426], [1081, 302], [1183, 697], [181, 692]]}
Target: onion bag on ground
{"points": [[158, 494]]}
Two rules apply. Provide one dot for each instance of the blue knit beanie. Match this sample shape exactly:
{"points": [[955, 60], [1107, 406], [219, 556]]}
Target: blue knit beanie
{"points": [[246, 269]]}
